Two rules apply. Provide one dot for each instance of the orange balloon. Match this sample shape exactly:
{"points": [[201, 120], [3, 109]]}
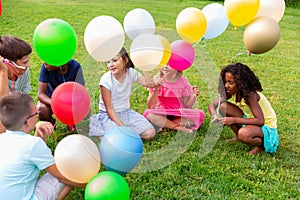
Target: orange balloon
{"points": [[241, 12], [191, 24], [261, 35]]}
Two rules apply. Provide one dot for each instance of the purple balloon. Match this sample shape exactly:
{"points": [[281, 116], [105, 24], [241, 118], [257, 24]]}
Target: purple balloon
{"points": [[182, 56]]}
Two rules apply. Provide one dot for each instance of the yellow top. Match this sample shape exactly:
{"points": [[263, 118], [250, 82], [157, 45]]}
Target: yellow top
{"points": [[269, 113]]}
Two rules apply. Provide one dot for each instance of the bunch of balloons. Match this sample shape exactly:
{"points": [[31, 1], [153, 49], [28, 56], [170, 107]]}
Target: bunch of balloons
{"points": [[261, 18], [104, 37]]}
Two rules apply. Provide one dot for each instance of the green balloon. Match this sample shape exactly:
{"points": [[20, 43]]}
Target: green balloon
{"points": [[107, 185], [54, 40]]}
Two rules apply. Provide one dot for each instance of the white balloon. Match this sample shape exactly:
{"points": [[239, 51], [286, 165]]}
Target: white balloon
{"points": [[104, 37], [77, 158], [217, 20], [146, 51], [271, 8], [138, 21]]}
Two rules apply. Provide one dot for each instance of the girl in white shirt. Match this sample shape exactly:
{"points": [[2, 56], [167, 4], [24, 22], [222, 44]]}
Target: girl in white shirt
{"points": [[114, 107]]}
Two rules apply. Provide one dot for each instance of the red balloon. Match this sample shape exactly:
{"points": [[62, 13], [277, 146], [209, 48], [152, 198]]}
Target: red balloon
{"points": [[0, 7], [70, 103]]}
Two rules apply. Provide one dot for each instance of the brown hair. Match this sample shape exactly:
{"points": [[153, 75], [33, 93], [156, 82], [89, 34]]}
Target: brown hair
{"points": [[14, 108], [14, 48], [123, 53]]}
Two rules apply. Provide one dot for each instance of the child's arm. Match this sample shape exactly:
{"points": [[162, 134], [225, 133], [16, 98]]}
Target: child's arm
{"points": [[54, 172], [146, 80], [213, 108], [258, 117], [190, 100], [42, 93], [106, 96], [3, 78], [152, 98], [3, 85]]}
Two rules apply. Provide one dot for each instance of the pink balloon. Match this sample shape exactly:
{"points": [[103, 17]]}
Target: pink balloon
{"points": [[182, 56]]}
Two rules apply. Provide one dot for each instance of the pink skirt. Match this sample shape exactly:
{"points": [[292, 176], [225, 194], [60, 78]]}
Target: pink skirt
{"points": [[197, 116]]}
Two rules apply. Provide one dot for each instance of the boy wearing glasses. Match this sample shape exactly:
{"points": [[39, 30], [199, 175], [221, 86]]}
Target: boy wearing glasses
{"points": [[23, 155]]}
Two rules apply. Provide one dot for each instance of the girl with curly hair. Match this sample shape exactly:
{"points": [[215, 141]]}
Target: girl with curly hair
{"points": [[245, 109]]}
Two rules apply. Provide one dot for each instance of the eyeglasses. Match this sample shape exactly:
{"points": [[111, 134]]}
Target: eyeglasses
{"points": [[14, 64], [32, 115]]}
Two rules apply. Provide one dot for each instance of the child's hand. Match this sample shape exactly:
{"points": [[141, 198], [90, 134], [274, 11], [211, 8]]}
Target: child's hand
{"points": [[195, 90], [43, 129], [158, 80], [226, 121], [3, 66]]}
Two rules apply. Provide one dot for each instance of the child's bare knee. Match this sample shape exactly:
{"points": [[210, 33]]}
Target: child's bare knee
{"points": [[148, 134]]}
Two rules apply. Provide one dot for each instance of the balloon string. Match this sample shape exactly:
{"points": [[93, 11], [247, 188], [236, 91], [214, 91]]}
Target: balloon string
{"points": [[201, 40], [239, 53]]}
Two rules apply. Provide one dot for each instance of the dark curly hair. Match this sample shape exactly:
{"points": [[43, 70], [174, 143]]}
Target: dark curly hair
{"points": [[246, 80]]}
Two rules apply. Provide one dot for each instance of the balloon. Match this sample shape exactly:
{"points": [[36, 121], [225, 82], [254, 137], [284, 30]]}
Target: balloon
{"points": [[241, 12], [182, 56], [77, 158], [138, 21], [70, 102], [167, 51], [261, 35], [107, 185], [271, 8], [146, 51], [104, 38], [121, 149], [54, 40], [217, 20], [191, 24], [0, 7]]}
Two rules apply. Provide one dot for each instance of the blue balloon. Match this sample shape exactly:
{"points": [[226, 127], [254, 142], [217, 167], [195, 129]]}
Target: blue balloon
{"points": [[121, 149], [217, 20]]}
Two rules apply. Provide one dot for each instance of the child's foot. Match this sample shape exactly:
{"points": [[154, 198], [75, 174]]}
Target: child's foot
{"points": [[184, 129], [256, 150], [234, 139]]}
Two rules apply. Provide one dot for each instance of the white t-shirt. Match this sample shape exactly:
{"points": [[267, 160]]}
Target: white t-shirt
{"points": [[120, 92], [22, 156]]}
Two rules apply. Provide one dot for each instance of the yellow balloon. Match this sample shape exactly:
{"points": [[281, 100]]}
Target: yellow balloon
{"points": [[261, 35], [191, 24], [241, 12], [167, 52]]}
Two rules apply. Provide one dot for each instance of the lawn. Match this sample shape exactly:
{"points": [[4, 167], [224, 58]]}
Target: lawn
{"points": [[205, 165]]}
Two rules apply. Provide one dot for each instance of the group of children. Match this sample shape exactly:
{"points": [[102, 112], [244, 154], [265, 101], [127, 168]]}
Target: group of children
{"points": [[241, 105]]}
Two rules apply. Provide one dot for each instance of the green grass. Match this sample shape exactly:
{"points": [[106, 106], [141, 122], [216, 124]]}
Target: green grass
{"points": [[204, 166]]}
